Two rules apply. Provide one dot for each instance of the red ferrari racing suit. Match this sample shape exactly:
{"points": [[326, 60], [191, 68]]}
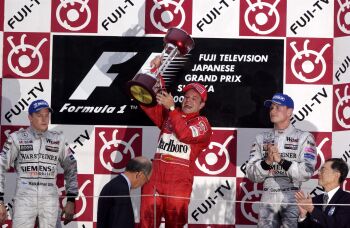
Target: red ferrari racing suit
{"points": [[182, 138]]}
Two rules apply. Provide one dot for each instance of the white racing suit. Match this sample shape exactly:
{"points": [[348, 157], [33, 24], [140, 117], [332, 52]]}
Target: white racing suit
{"points": [[281, 181], [35, 156]]}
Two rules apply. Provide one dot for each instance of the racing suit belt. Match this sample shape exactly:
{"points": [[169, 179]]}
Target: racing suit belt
{"points": [[281, 189], [171, 159]]}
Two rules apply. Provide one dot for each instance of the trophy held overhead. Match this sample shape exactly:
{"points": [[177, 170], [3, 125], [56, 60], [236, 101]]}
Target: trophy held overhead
{"points": [[144, 87]]}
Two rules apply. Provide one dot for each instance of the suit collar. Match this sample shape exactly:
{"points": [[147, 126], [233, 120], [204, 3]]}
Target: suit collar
{"points": [[332, 192], [336, 196], [127, 180]]}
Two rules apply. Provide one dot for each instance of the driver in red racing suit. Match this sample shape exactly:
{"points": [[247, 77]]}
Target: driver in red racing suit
{"points": [[184, 135]]}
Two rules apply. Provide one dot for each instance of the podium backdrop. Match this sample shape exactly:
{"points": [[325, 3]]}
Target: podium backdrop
{"points": [[78, 55]]}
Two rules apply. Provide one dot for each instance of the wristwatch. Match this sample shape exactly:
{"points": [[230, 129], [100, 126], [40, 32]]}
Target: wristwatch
{"points": [[172, 108]]}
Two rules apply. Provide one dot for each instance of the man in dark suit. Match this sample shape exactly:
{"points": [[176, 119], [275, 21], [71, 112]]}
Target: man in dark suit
{"points": [[330, 214], [114, 205]]}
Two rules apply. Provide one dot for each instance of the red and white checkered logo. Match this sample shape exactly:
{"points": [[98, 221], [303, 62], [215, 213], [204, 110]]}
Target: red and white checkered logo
{"points": [[84, 202], [74, 16], [6, 131], [246, 195], [26, 55], [219, 158], [164, 14], [324, 149], [2, 8], [266, 17], [114, 147], [310, 61], [341, 18], [341, 106]]}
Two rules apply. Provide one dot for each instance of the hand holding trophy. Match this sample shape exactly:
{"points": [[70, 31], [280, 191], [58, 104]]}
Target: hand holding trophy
{"points": [[144, 87]]}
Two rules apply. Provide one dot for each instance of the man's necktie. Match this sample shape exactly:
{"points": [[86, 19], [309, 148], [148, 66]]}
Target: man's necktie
{"points": [[325, 201]]}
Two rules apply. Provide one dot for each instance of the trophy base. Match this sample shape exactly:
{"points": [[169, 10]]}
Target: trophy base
{"points": [[141, 89]]}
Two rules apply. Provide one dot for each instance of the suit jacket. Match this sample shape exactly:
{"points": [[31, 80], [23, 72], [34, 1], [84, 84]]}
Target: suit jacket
{"points": [[115, 212], [333, 216]]}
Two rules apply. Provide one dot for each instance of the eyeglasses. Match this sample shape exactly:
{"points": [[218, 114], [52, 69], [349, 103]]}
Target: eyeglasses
{"points": [[144, 174]]}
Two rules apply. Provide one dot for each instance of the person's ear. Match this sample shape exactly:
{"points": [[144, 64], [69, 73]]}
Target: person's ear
{"points": [[30, 118], [201, 105]]}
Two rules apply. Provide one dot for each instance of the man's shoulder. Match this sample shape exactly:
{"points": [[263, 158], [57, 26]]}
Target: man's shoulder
{"points": [[55, 134], [116, 184], [345, 194], [203, 118], [301, 132], [268, 133], [21, 133]]}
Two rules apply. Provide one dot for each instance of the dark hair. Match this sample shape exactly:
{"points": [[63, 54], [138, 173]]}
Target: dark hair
{"points": [[139, 164], [340, 165]]}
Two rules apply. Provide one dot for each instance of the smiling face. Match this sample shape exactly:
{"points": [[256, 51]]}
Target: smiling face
{"points": [[40, 120], [192, 102]]}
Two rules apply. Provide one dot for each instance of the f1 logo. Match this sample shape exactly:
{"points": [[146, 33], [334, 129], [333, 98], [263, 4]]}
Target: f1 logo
{"points": [[99, 70]]}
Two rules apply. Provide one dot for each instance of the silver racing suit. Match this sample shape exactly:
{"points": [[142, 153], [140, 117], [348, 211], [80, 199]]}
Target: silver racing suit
{"points": [[35, 156], [282, 180]]}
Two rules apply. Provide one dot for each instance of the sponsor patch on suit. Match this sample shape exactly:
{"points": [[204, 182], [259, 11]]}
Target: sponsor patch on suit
{"points": [[25, 147]]}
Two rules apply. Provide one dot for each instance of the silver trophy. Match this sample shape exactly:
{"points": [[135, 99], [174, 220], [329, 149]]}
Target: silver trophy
{"points": [[144, 87]]}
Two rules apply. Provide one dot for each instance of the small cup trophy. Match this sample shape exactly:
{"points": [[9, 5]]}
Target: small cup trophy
{"points": [[144, 87]]}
